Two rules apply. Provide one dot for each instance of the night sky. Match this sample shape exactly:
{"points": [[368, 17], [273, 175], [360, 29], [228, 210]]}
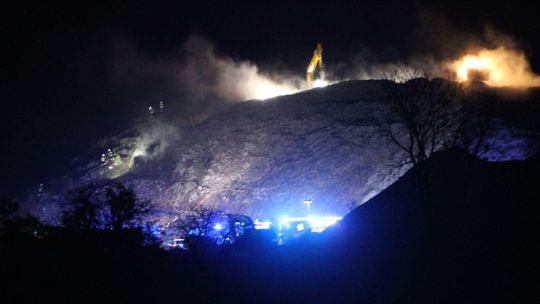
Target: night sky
{"points": [[60, 91]]}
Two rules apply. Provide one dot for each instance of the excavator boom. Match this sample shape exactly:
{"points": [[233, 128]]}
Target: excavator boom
{"points": [[315, 60]]}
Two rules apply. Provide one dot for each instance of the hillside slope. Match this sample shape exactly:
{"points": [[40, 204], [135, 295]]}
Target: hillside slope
{"points": [[267, 157], [264, 158]]}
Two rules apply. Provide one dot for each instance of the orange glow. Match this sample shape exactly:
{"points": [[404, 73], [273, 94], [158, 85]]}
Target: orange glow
{"points": [[497, 67]]}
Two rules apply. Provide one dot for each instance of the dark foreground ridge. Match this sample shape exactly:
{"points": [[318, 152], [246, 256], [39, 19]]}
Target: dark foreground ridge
{"points": [[452, 230]]}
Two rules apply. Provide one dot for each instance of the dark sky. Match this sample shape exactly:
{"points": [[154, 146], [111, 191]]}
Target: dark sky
{"points": [[58, 96]]}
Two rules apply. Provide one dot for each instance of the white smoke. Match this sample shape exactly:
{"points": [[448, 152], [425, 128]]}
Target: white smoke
{"points": [[205, 74], [153, 140]]}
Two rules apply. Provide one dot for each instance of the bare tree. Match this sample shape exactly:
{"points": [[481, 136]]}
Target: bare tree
{"points": [[124, 207], [196, 223], [476, 122], [8, 210], [401, 73], [83, 209], [12, 222], [96, 206], [198, 220], [422, 116]]}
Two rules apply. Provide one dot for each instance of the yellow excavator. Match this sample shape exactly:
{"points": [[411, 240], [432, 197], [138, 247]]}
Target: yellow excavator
{"points": [[315, 60]]}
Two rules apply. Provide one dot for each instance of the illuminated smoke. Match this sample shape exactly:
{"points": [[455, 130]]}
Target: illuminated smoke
{"points": [[319, 83], [496, 67], [501, 66], [153, 141], [206, 74]]}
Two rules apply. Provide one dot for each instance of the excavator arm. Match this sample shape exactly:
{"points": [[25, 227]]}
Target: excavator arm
{"points": [[315, 60]]}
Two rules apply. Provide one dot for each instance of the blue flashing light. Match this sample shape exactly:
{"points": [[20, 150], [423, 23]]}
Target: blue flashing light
{"points": [[218, 227], [317, 224]]}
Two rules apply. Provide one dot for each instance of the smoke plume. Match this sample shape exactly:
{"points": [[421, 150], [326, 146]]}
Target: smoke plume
{"points": [[493, 57], [496, 67], [153, 140], [205, 74]]}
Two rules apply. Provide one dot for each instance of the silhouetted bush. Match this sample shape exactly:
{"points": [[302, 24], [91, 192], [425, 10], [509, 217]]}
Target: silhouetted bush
{"points": [[13, 224], [97, 206], [123, 206]]}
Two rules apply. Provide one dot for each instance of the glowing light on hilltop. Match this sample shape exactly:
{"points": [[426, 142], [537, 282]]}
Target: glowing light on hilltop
{"points": [[497, 67], [319, 83], [474, 63], [267, 89]]}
